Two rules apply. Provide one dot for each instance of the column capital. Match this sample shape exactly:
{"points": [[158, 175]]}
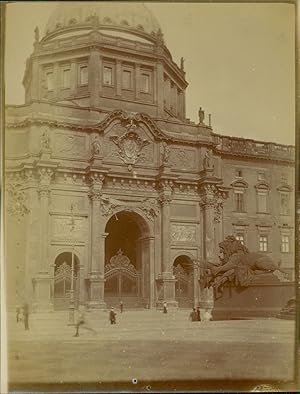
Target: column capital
{"points": [[97, 181], [45, 174], [166, 187]]}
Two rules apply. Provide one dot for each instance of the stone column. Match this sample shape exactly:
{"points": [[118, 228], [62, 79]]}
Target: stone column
{"points": [[152, 272], [41, 282], [167, 278], [94, 76], [96, 275], [160, 88]]}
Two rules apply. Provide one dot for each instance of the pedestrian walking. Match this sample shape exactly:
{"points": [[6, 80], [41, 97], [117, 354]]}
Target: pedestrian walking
{"points": [[165, 309], [18, 313], [198, 314], [82, 323], [112, 316], [121, 306], [194, 315], [26, 315]]}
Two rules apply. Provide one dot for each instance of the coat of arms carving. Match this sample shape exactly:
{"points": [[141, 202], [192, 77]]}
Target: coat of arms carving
{"points": [[130, 144]]}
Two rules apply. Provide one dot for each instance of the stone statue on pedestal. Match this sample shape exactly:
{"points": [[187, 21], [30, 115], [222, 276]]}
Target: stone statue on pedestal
{"points": [[238, 266], [201, 115]]}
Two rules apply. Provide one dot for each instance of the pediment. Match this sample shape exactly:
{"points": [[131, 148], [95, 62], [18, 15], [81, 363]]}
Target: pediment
{"points": [[138, 121], [239, 183]]}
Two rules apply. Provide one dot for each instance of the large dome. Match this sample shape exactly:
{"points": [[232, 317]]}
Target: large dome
{"points": [[132, 17]]}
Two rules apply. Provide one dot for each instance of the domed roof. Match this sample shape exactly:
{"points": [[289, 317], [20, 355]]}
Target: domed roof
{"points": [[113, 15]]}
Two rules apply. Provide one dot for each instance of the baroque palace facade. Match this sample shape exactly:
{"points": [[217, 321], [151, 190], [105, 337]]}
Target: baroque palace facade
{"points": [[102, 166]]}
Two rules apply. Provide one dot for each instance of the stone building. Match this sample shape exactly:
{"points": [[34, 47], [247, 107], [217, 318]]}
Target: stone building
{"points": [[104, 169]]}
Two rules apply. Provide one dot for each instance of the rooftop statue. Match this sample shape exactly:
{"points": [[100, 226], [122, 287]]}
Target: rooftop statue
{"points": [[238, 266]]}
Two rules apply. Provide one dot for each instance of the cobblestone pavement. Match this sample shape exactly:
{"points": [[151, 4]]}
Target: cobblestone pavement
{"points": [[148, 346]]}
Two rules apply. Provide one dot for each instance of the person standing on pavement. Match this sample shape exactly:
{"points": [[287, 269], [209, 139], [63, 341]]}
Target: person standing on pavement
{"points": [[112, 316], [198, 314], [194, 315], [26, 315], [18, 312], [165, 309], [121, 306]]}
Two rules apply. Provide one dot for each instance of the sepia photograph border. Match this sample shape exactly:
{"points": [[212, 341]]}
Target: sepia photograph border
{"points": [[158, 386]]}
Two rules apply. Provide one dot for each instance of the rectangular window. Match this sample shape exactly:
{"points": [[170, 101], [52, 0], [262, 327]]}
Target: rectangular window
{"points": [[107, 76], [240, 237], [263, 243], [262, 202], [83, 75], [239, 173], [126, 79], [239, 201], [49, 79], [145, 83], [284, 203], [66, 78], [261, 176], [285, 244]]}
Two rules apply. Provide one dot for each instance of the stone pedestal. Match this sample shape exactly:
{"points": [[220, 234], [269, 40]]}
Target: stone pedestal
{"points": [[167, 283], [96, 291], [42, 297]]}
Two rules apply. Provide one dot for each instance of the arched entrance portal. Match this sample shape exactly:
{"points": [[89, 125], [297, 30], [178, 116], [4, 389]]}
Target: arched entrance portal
{"points": [[184, 288], [127, 260], [62, 280]]}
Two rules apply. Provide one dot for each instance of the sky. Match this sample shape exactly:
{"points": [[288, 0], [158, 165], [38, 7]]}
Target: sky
{"points": [[239, 61]]}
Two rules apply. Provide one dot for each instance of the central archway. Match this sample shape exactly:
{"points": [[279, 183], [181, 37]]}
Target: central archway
{"points": [[127, 260]]}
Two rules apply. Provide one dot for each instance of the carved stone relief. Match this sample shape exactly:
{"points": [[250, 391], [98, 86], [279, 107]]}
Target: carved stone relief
{"points": [[62, 228], [62, 202], [69, 145], [183, 233], [182, 158]]}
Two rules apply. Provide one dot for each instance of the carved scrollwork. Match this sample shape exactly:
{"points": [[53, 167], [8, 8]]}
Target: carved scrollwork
{"points": [[129, 144], [166, 191], [165, 153], [108, 205], [213, 197], [150, 208], [16, 202]]}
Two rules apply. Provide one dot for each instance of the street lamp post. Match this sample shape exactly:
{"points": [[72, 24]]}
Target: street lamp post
{"points": [[72, 299]]}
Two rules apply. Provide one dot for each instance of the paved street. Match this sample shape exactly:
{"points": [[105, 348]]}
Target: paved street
{"points": [[149, 346]]}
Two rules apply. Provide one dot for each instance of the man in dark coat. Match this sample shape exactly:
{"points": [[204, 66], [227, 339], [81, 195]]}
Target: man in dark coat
{"points": [[193, 315], [198, 314], [26, 315], [112, 316]]}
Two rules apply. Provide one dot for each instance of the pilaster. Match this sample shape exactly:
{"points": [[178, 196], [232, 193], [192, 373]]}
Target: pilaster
{"points": [[94, 76], [96, 274], [42, 279]]}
